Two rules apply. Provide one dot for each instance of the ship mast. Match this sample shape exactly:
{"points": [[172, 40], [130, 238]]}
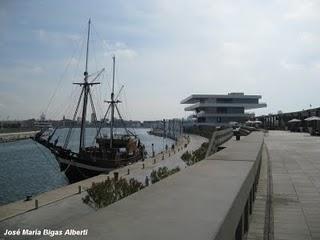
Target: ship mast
{"points": [[86, 89], [86, 93], [112, 102]]}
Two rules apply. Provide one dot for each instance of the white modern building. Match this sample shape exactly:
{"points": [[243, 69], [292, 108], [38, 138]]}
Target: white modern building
{"points": [[217, 110]]}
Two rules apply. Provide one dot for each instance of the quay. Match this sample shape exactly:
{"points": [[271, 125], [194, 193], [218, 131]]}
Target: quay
{"points": [[174, 201], [10, 137], [66, 202]]}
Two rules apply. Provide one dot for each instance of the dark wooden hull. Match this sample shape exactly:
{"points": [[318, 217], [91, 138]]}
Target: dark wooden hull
{"points": [[75, 174], [89, 163], [77, 170]]}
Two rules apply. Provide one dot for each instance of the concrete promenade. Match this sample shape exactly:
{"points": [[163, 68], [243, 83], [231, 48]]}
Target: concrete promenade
{"points": [[63, 205], [295, 169], [259, 224]]}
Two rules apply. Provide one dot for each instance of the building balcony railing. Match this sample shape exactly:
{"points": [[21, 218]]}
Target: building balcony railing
{"points": [[214, 105], [247, 115]]}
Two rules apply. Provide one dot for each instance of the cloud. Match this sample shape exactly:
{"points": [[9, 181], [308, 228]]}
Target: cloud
{"points": [[3, 13], [22, 69], [234, 53], [170, 49], [291, 66], [299, 10], [36, 69], [73, 61], [56, 38], [309, 41], [9, 104], [118, 49]]}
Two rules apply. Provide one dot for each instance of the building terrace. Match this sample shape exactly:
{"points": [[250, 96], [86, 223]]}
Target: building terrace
{"points": [[213, 109]]}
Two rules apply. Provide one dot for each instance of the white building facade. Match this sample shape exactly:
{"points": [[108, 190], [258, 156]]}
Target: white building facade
{"points": [[218, 110]]}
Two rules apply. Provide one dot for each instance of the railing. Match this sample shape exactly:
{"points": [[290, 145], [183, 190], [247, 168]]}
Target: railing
{"points": [[218, 138]]}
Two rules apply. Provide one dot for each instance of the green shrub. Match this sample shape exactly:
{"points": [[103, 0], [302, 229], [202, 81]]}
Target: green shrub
{"points": [[196, 156], [162, 172], [186, 156], [154, 177], [104, 193], [109, 191]]}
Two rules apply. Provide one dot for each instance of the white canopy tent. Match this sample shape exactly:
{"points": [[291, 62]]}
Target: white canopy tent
{"points": [[313, 118], [294, 120]]}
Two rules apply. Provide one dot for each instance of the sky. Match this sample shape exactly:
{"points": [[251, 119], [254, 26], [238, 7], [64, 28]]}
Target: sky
{"points": [[165, 50]]}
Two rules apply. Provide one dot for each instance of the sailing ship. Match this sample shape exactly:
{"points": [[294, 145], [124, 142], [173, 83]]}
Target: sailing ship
{"points": [[109, 152]]}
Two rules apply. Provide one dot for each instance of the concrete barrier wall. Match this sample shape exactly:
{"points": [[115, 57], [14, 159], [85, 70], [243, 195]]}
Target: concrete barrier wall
{"points": [[209, 200], [9, 137], [218, 138], [249, 149]]}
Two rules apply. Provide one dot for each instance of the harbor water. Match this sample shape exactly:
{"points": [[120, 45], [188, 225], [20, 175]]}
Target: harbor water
{"points": [[27, 168]]}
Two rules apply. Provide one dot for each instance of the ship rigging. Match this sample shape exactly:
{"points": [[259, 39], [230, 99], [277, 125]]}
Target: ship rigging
{"points": [[109, 152]]}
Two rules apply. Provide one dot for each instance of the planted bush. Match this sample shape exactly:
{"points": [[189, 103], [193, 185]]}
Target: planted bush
{"points": [[162, 172], [104, 193], [200, 153], [196, 156], [109, 191], [186, 156]]}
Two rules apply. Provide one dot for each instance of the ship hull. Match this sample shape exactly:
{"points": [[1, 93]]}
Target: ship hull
{"points": [[89, 163], [76, 170]]}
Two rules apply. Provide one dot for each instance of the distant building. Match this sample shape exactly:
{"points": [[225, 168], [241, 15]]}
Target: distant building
{"points": [[42, 117], [93, 118], [218, 110], [151, 124], [29, 123], [134, 124]]}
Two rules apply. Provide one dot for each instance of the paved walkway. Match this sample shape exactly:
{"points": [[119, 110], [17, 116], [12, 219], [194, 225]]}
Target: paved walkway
{"points": [[64, 205], [295, 167]]}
